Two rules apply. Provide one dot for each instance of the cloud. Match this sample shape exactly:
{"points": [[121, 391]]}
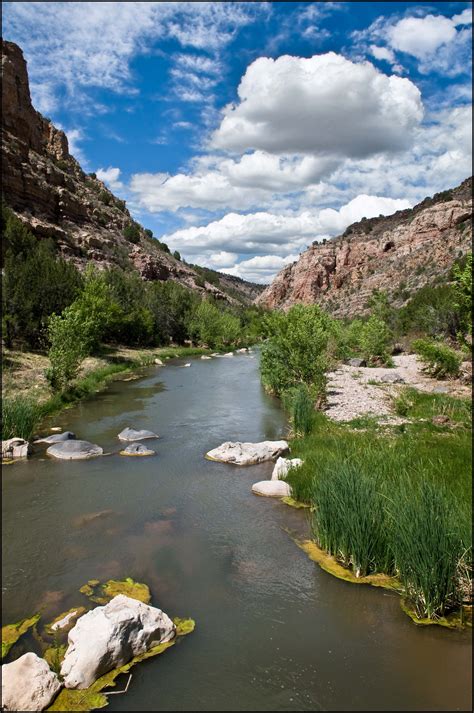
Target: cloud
{"points": [[301, 105], [261, 269], [73, 46], [110, 176], [440, 44]]}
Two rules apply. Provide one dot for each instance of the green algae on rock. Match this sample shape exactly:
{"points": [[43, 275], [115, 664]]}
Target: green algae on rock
{"points": [[12, 632], [70, 617], [458, 619], [331, 565], [294, 503], [93, 698], [103, 593], [54, 656]]}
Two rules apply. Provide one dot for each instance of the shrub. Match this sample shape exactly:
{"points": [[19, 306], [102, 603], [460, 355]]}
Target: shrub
{"points": [[177, 255], [20, 417], [296, 352], [131, 233], [92, 175], [105, 197], [375, 338], [463, 294], [301, 407], [440, 360]]}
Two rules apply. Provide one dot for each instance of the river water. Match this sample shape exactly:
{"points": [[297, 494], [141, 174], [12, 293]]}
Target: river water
{"points": [[273, 632]]}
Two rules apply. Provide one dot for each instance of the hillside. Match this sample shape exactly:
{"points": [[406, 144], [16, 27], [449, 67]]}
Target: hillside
{"points": [[54, 197], [399, 253]]}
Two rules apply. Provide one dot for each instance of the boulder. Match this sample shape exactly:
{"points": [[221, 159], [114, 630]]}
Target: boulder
{"points": [[137, 449], [272, 489], [74, 450], [440, 390], [57, 438], [242, 351], [28, 684], [228, 354], [248, 453], [108, 637], [357, 362], [392, 378], [158, 362], [205, 357], [131, 434], [15, 448], [283, 465]]}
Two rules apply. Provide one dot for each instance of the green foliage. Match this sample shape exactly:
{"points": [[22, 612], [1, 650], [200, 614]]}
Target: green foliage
{"points": [[375, 339], [131, 232], [463, 294], [296, 350], [92, 175], [149, 233], [429, 546], [121, 205], [176, 255], [432, 311], [421, 405], [300, 404], [20, 416], [105, 197], [214, 327], [35, 283], [440, 360]]}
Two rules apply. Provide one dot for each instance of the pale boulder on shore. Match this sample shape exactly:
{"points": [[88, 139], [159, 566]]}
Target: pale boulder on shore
{"points": [[15, 448], [108, 637], [272, 489], [283, 465], [28, 684], [248, 453]]}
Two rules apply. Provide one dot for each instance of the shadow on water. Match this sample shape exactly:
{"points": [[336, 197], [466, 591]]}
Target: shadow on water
{"points": [[273, 631]]}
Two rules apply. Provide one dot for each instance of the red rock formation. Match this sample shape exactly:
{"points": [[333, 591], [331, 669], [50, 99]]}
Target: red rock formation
{"points": [[398, 253]]}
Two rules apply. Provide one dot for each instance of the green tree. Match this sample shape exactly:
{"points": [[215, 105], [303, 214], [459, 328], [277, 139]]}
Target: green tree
{"points": [[375, 338], [463, 294]]}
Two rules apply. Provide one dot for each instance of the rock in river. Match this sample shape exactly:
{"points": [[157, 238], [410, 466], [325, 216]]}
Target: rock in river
{"points": [[57, 437], [137, 449], [272, 489], [247, 453], [15, 448], [28, 684], [283, 465], [74, 450], [108, 637], [131, 434]]}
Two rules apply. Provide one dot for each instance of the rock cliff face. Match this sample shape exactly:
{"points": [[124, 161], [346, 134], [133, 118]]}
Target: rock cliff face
{"points": [[51, 194], [399, 253]]}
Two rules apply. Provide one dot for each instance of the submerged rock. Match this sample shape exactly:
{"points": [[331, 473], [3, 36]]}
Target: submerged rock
{"points": [[108, 637], [74, 450], [57, 437], [272, 489], [131, 434], [28, 684], [248, 453], [137, 449], [283, 465], [15, 448]]}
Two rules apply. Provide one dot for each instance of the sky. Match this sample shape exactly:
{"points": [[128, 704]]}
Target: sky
{"points": [[241, 132]]}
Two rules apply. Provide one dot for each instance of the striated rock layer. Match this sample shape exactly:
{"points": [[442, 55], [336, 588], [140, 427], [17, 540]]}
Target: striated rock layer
{"points": [[399, 253], [51, 194]]}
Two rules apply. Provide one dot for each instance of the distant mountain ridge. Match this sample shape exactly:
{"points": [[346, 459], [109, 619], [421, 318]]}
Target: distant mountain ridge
{"points": [[398, 253], [54, 197]]}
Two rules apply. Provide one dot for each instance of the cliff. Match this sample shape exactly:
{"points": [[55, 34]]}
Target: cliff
{"points": [[398, 253], [54, 197]]}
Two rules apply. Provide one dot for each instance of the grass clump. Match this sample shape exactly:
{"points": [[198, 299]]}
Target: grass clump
{"points": [[440, 360], [20, 417]]}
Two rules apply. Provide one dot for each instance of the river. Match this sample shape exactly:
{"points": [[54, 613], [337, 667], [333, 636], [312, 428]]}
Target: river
{"points": [[273, 631]]}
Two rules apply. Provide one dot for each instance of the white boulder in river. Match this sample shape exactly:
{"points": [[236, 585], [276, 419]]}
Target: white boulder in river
{"points": [[57, 437], [272, 489], [283, 465], [108, 637], [137, 449], [15, 448], [131, 434], [247, 453], [74, 450], [28, 684]]}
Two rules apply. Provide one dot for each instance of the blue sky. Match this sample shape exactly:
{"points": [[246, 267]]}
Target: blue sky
{"points": [[241, 132]]}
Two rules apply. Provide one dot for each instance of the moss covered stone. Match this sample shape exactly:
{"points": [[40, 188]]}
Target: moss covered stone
{"points": [[93, 698], [103, 593], [12, 632]]}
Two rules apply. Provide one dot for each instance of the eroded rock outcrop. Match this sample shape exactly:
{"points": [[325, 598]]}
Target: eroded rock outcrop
{"points": [[398, 253]]}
